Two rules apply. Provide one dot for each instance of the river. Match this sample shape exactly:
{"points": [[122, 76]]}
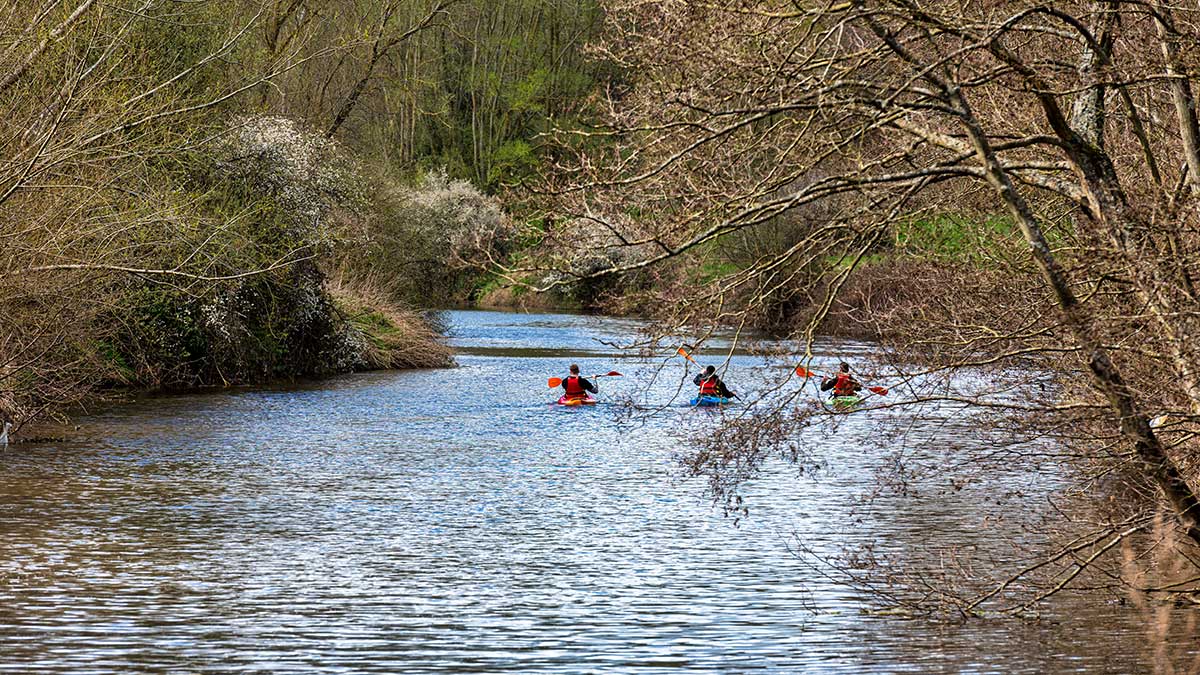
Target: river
{"points": [[451, 521]]}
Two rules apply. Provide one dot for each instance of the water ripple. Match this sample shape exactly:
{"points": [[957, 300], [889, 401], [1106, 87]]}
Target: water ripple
{"points": [[451, 521]]}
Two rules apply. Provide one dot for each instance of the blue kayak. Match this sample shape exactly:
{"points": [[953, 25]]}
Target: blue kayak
{"points": [[711, 401]]}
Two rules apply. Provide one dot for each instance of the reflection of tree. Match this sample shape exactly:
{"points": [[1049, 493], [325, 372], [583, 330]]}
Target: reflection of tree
{"points": [[1076, 123]]}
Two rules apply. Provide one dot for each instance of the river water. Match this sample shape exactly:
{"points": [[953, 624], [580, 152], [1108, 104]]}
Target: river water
{"points": [[451, 521]]}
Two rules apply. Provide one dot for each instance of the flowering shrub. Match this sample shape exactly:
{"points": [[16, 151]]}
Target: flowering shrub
{"points": [[467, 224], [295, 195], [578, 248], [306, 174], [427, 239]]}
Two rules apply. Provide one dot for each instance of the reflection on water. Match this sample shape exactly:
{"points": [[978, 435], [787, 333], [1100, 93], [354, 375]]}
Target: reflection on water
{"points": [[452, 521]]}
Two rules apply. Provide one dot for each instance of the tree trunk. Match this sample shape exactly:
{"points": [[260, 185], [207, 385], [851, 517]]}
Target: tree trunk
{"points": [[1181, 92]]}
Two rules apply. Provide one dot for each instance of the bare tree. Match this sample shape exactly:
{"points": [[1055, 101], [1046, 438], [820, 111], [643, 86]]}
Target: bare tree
{"points": [[385, 39], [1076, 124]]}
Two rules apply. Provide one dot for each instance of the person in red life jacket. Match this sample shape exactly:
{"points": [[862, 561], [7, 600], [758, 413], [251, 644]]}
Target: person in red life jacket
{"points": [[842, 384], [711, 385], [576, 386]]}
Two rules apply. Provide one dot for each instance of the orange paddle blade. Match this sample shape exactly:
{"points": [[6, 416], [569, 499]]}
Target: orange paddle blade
{"points": [[686, 355], [804, 372], [554, 382], [882, 391]]}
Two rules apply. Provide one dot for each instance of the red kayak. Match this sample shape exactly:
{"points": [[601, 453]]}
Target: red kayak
{"points": [[588, 400]]}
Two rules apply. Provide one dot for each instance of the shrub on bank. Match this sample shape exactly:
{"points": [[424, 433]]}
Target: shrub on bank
{"points": [[427, 243], [385, 334], [280, 201], [581, 250]]}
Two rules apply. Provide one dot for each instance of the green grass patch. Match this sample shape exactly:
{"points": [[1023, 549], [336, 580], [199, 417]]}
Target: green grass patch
{"points": [[953, 236], [116, 366], [711, 271]]}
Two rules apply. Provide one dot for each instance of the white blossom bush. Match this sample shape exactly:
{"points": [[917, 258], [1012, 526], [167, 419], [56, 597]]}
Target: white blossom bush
{"points": [[295, 195], [580, 247], [429, 237], [309, 176], [468, 223]]}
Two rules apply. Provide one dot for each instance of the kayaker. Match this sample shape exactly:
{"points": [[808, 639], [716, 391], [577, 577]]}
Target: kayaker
{"points": [[711, 385], [842, 384], [577, 386]]}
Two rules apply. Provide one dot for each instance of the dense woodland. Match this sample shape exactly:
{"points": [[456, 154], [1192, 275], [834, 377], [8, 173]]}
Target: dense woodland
{"points": [[207, 193]]}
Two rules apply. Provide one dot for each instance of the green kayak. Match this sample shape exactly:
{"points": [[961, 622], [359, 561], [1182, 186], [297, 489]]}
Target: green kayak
{"points": [[845, 402]]}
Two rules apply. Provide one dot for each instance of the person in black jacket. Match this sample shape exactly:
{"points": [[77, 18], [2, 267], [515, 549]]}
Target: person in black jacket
{"points": [[842, 384], [577, 386], [711, 385]]}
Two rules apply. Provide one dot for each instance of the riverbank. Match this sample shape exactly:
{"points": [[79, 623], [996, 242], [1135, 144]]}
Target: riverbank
{"points": [[346, 332], [882, 299], [929, 267]]}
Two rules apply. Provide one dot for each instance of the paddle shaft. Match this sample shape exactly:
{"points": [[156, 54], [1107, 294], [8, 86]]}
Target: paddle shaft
{"points": [[557, 381]]}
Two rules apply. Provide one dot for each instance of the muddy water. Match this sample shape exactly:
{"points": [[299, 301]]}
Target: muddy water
{"points": [[451, 521]]}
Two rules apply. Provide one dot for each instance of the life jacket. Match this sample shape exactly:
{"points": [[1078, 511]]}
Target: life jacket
{"points": [[574, 389], [708, 386], [843, 385]]}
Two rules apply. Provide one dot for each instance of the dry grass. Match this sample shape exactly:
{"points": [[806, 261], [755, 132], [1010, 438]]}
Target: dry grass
{"points": [[392, 336]]}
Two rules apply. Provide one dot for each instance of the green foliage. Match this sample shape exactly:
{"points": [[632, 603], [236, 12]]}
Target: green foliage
{"points": [[486, 285], [491, 286], [179, 37], [474, 94], [529, 94], [160, 338], [952, 236], [116, 367], [511, 162], [711, 271], [276, 325]]}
